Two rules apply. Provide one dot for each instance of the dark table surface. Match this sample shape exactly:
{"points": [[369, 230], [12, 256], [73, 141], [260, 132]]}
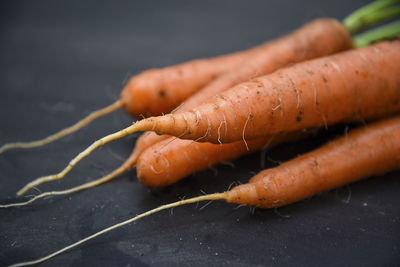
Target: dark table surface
{"points": [[59, 60]]}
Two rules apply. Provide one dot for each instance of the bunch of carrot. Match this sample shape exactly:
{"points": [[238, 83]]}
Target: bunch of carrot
{"points": [[245, 113]]}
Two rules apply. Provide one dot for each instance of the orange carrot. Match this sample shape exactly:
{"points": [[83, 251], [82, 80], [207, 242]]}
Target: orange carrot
{"points": [[172, 159], [354, 85], [331, 37], [158, 91], [370, 150], [343, 87], [317, 38]]}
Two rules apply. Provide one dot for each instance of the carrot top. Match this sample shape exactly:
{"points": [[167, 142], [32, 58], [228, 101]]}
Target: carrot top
{"points": [[370, 14]]}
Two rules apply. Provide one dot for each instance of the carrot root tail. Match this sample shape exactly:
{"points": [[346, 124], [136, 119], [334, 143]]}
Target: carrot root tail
{"points": [[210, 197], [117, 135], [69, 130], [88, 185]]}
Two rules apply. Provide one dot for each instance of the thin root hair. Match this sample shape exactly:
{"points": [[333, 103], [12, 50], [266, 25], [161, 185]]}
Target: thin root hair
{"points": [[66, 131], [216, 196], [91, 184]]}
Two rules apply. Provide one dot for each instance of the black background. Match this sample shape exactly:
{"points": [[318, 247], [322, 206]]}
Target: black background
{"points": [[59, 60]]}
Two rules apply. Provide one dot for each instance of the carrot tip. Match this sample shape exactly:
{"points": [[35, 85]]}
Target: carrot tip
{"points": [[216, 196], [124, 132], [85, 121], [91, 184]]}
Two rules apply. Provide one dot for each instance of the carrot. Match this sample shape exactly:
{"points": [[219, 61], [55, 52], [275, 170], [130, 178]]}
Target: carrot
{"points": [[317, 38], [300, 45], [360, 84], [158, 91], [301, 94], [343, 87], [150, 174], [161, 165], [172, 159], [370, 150]]}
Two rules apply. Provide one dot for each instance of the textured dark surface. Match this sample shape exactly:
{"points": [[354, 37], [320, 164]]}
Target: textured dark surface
{"points": [[61, 60]]}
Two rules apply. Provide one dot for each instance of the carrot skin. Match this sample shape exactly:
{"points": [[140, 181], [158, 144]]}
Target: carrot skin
{"points": [[317, 38], [361, 84], [166, 88], [158, 91], [146, 140], [370, 150], [172, 159]]}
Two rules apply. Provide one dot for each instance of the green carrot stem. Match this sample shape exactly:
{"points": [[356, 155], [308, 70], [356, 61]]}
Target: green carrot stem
{"points": [[381, 15], [388, 31], [367, 15]]}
